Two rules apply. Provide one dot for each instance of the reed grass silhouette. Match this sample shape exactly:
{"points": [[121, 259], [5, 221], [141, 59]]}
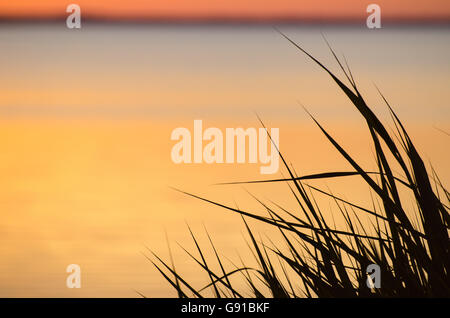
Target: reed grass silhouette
{"points": [[319, 260]]}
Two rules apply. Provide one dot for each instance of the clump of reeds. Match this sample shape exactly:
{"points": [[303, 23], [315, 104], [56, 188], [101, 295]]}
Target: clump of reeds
{"points": [[322, 261]]}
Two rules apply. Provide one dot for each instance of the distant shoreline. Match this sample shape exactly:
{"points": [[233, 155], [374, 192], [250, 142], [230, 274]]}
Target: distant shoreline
{"points": [[227, 21]]}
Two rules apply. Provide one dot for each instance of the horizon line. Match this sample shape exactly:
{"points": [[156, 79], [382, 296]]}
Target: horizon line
{"points": [[229, 20]]}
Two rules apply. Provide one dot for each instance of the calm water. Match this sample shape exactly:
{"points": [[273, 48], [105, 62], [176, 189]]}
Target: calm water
{"points": [[86, 118], [156, 71]]}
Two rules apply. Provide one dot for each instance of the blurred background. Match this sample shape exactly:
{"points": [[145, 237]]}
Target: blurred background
{"points": [[86, 116]]}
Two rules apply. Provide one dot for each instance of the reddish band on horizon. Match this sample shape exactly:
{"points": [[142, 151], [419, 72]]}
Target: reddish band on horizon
{"points": [[231, 10]]}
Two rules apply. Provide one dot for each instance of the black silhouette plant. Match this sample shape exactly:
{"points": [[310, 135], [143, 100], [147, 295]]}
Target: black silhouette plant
{"points": [[323, 261]]}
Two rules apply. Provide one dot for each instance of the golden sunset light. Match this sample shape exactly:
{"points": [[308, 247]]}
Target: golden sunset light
{"points": [[230, 150]]}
